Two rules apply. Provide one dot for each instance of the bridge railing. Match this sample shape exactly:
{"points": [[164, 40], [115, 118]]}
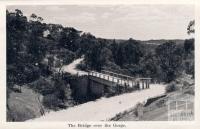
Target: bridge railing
{"points": [[118, 75], [121, 79]]}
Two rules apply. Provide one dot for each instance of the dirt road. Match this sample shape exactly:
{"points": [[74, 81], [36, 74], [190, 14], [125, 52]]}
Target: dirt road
{"points": [[104, 108], [71, 68]]}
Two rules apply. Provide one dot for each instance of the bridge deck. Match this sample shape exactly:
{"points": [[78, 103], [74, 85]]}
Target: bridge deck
{"points": [[128, 81]]}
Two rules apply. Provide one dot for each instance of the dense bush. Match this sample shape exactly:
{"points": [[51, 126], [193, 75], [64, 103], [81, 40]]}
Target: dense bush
{"points": [[20, 115], [51, 101], [171, 87], [139, 110], [43, 86], [26, 45], [82, 66]]}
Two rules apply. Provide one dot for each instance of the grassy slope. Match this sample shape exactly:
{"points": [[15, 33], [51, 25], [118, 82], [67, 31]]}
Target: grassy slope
{"points": [[158, 110], [24, 105], [153, 112]]}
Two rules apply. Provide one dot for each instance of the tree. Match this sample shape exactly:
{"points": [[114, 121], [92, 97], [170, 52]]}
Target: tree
{"points": [[69, 39], [170, 59], [87, 42], [36, 46], [120, 58], [149, 66], [93, 57], [189, 45], [60, 86], [190, 28], [16, 25], [18, 13], [105, 57], [189, 50], [114, 48], [54, 32], [133, 52], [128, 52]]}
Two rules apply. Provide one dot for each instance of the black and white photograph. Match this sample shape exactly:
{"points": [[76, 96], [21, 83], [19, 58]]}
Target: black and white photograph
{"points": [[100, 63]]}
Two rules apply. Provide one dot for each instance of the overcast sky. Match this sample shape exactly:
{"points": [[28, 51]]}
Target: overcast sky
{"points": [[142, 22]]}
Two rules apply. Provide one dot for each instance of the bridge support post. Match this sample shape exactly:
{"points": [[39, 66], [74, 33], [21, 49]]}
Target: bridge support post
{"points": [[146, 83], [138, 84], [132, 83], [142, 84]]}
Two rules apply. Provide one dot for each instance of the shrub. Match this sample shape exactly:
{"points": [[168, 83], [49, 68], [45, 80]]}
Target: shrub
{"points": [[51, 101], [139, 109], [82, 66], [17, 114], [43, 86], [171, 87]]}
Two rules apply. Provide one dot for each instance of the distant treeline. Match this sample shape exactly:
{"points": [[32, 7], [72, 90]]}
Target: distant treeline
{"points": [[30, 42]]}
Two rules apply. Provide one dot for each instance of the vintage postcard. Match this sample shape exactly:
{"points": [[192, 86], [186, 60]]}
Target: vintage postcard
{"points": [[99, 64]]}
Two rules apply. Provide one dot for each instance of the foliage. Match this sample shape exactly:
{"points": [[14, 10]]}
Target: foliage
{"points": [[51, 101], [43, 86], [35, 48], [190, 28], [170, 59], [28, 48], [69, 39], [189, 45], [171, 87], [128, 52]]}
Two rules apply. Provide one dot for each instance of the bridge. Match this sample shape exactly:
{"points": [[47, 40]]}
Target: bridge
{"points": [[107, 78], [95, 84], [112, 79]]}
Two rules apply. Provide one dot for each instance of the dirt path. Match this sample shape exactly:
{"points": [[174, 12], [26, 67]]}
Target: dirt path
{"points": [[71, 68], [104, 108]]}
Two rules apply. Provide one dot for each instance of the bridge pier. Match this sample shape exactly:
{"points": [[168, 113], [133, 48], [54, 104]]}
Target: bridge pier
{"points": [[147, 84], [132, 83], [138, 84], [142, 84]]}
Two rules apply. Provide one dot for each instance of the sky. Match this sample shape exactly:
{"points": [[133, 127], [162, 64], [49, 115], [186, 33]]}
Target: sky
{"points": [[141, 22]]}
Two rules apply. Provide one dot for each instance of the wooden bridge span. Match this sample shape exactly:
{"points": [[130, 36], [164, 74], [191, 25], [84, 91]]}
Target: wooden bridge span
{"points": [[113, 79]]}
